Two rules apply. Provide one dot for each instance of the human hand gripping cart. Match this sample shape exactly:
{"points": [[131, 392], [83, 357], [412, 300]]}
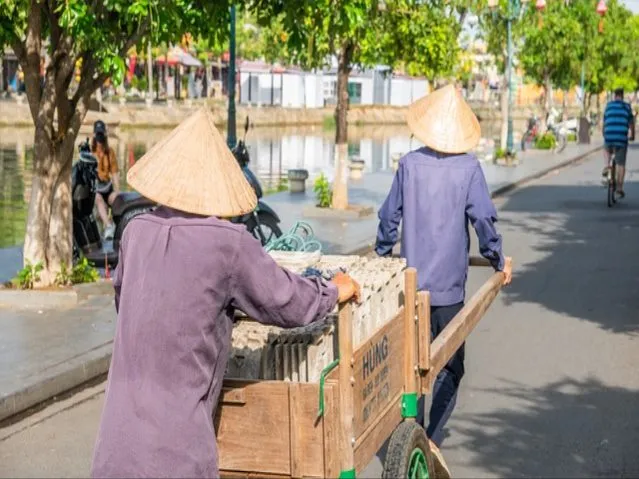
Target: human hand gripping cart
{"points": [[296, 423]]}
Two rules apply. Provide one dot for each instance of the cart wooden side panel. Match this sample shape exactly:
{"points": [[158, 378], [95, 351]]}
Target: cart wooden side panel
{"points": [[377, 395], [270, 427], [378, 373]]}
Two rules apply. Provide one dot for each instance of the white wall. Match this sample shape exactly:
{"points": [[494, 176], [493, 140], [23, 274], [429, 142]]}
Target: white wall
{"points": [[292, 90], [314, 96], [306, 90]]}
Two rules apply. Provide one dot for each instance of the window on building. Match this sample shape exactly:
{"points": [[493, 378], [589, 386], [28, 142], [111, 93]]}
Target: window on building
{"points": [[355, 93], [330, 91]]}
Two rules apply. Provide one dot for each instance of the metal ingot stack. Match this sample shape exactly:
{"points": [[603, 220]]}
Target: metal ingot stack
{"points": [[300, 354]]}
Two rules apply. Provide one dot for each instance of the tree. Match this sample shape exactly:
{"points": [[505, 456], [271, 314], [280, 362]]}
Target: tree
{"points": [[95, 35], [494, 27], [549, 54], [608, 57], [360, 33]]}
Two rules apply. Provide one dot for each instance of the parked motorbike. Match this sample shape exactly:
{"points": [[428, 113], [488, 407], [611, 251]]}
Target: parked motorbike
{"points": [[86, 235], [558, 130], [263, 222]]}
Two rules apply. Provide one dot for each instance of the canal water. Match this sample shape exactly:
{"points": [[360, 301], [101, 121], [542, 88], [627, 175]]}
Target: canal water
{"points": [[273, 152]]}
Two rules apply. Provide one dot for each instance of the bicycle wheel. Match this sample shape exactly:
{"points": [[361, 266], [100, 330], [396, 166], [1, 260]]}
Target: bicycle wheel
{"points": [[612, 184]]}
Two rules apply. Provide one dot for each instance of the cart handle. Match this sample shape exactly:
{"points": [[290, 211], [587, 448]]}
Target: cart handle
{"points": [[323, 375]]}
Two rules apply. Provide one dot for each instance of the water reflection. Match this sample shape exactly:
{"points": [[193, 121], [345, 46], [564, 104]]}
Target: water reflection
{"points": [[273, 152]]}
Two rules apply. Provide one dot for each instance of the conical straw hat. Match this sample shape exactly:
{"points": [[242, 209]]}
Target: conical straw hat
{"points": [[193, 170], [444, 122]]}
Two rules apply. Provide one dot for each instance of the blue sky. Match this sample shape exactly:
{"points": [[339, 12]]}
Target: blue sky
{"points": [[632, 5]]}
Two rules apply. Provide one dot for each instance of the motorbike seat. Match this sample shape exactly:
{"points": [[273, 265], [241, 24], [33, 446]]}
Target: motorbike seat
{"points": [[127, 199]]}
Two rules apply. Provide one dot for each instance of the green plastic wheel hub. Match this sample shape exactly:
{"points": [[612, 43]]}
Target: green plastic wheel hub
{"points": [[418, 466]]}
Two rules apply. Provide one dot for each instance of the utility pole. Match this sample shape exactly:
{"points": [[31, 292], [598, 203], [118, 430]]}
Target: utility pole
{"points": [[231, 138], [149, 71], [509, 74], [512, 14]]}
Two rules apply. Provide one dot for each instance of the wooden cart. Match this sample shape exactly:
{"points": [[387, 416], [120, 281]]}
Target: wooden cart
{"points": [[335, 428]]}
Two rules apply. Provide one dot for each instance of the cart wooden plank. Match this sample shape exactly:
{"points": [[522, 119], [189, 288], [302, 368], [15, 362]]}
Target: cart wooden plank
{"points": [[455, 333], [376, 435], [262, 419], [378, 372], [345, 368], [307, 437], [250, 475], [332, 423], [410, 331], [424, 333]]}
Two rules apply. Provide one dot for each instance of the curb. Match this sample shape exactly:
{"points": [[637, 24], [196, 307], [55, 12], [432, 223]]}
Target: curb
{"points": [[502, 190], [58, 380], [62, 298], [84, 368]]}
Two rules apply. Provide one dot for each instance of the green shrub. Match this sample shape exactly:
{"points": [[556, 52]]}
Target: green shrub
{"points": [[28, 276], [63, 278], [84, 272], [323, 193], [546, 142], [500, 153], [572, 137]]}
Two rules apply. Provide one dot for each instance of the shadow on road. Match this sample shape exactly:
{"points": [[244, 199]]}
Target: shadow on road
{"points": [[585, 254], [566, 429]]}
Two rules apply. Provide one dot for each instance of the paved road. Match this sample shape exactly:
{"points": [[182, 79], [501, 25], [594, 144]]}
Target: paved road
{"points": [[552, 383]]}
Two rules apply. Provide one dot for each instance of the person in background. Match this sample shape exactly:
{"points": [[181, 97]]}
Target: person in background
{"points": [[183, 271], [618, 125], [108, 176], [436, 192]]}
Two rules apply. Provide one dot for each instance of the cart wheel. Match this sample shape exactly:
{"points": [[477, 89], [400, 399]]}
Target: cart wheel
{"points": [[408, 453]]}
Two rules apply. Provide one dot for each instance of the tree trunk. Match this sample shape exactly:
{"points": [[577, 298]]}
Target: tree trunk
{"points": [[149, 70], [587, 102], [340, 185], [547, 102], [49, 234]]}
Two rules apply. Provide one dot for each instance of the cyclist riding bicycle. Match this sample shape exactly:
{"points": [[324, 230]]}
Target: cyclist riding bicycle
{"points": [[618, 126]]}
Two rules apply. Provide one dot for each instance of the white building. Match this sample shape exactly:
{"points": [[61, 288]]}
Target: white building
{"points": [[262, 84]]}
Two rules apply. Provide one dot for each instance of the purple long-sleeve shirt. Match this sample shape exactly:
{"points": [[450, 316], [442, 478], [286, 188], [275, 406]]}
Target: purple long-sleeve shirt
{"points": [[435, 196], [178, 281]]}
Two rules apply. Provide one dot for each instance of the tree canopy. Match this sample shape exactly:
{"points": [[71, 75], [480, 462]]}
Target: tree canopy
{"points": [[50, 38]]}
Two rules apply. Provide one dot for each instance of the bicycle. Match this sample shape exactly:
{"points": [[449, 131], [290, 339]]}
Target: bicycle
{"points": [[611, 179]]}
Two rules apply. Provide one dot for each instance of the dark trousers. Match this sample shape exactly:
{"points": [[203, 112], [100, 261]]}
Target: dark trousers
{"points": [[444, 394]]}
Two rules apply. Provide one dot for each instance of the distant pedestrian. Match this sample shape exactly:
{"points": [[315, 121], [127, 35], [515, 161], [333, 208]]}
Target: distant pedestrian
{"points": [[437, 191]]}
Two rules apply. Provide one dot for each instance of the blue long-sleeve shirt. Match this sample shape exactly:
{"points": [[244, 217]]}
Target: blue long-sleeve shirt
{"points": [[435, 196]]}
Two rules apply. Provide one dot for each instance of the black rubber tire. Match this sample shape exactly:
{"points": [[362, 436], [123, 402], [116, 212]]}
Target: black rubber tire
{"points": [[407, 437], [267, 220], [612, 186], [126, 219]]}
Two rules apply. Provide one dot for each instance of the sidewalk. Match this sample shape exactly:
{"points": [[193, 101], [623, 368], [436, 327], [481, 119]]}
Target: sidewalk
{"points": [[43, 354], [344, 237]]}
